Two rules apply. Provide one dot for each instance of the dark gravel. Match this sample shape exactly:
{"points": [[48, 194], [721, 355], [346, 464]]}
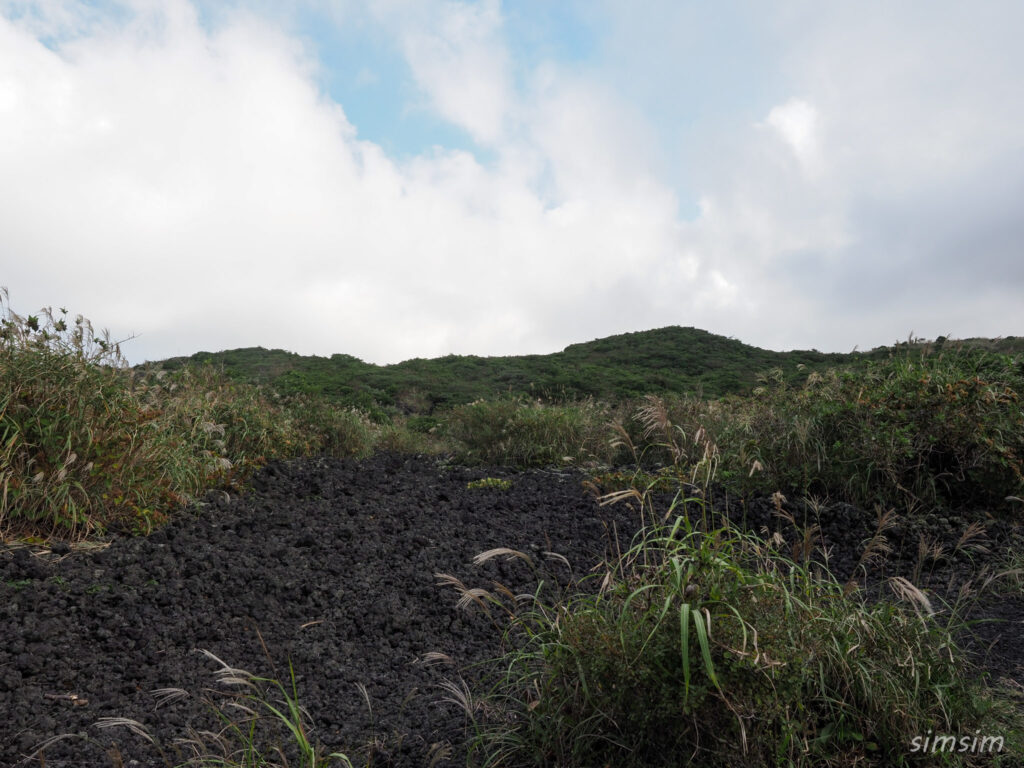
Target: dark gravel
{"points": [[330, 565]]}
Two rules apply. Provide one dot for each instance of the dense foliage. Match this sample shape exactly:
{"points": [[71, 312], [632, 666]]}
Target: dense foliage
{"points": [[912, 431], [669, 360], [945, 428]]}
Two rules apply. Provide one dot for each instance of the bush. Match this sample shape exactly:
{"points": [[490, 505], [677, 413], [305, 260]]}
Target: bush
{"points": [[328, 429], [398, 438], [526, 433]]}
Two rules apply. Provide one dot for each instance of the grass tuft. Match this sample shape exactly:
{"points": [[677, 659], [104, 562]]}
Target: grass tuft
{"points": [[711, 645]]}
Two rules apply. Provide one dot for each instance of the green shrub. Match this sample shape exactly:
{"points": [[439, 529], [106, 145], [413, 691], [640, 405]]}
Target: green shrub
{"points": [[528, 433], [328, 429], [398, 438], [946, 428], [423, 424]]}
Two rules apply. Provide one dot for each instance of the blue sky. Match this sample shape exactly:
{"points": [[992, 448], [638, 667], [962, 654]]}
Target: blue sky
{"points": [[364, 71], [395, 179]]}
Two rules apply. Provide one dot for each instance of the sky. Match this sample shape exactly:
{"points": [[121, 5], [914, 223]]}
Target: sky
{"points": [[394, 179]]}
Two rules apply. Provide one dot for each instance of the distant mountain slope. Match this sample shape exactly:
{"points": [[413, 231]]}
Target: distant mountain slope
{"points": [[627, 365]]}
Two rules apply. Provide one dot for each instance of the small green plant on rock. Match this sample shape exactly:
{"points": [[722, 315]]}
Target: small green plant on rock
{"points": [[490, 482]]}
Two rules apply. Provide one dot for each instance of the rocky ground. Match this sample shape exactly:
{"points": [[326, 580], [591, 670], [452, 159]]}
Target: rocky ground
{"points": [[330, 566]]}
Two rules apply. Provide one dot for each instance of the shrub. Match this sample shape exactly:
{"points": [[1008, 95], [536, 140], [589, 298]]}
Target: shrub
{"points": [[398, 438], [946, 428], [328, 429], [528, 433]]}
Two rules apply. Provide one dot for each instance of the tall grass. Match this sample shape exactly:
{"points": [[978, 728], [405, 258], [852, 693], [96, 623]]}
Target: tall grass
{"points": [[936, 428], [226, 418], [77, 445], [708, 646], [917, 429], [711, 646], [921, 428], [86, 442]]}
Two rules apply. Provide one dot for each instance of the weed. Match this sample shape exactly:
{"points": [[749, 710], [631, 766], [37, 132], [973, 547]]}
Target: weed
{"points": [[266, 704], [497, 483], [912, 430]]}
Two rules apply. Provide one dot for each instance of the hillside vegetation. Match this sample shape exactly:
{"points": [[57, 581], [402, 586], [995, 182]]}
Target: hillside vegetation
{"points": [[617, 368], [87, 440]]}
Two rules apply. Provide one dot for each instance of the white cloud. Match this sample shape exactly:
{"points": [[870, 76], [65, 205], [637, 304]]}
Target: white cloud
{"points": [[869, 205], [594, 143], [797, 124], [458, 58], [194, 186]]}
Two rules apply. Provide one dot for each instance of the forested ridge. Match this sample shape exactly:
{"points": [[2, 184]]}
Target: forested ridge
{"points": [[666, 360]]}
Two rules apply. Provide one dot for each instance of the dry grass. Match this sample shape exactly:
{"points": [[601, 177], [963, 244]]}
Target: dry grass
{"points": [[87, 443]]}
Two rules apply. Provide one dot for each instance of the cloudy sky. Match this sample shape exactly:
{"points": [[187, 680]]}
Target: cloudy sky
{"points": [[412, 178]]}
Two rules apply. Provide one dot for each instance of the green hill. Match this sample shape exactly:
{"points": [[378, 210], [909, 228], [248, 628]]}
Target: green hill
{"points": [[624, 366]]}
